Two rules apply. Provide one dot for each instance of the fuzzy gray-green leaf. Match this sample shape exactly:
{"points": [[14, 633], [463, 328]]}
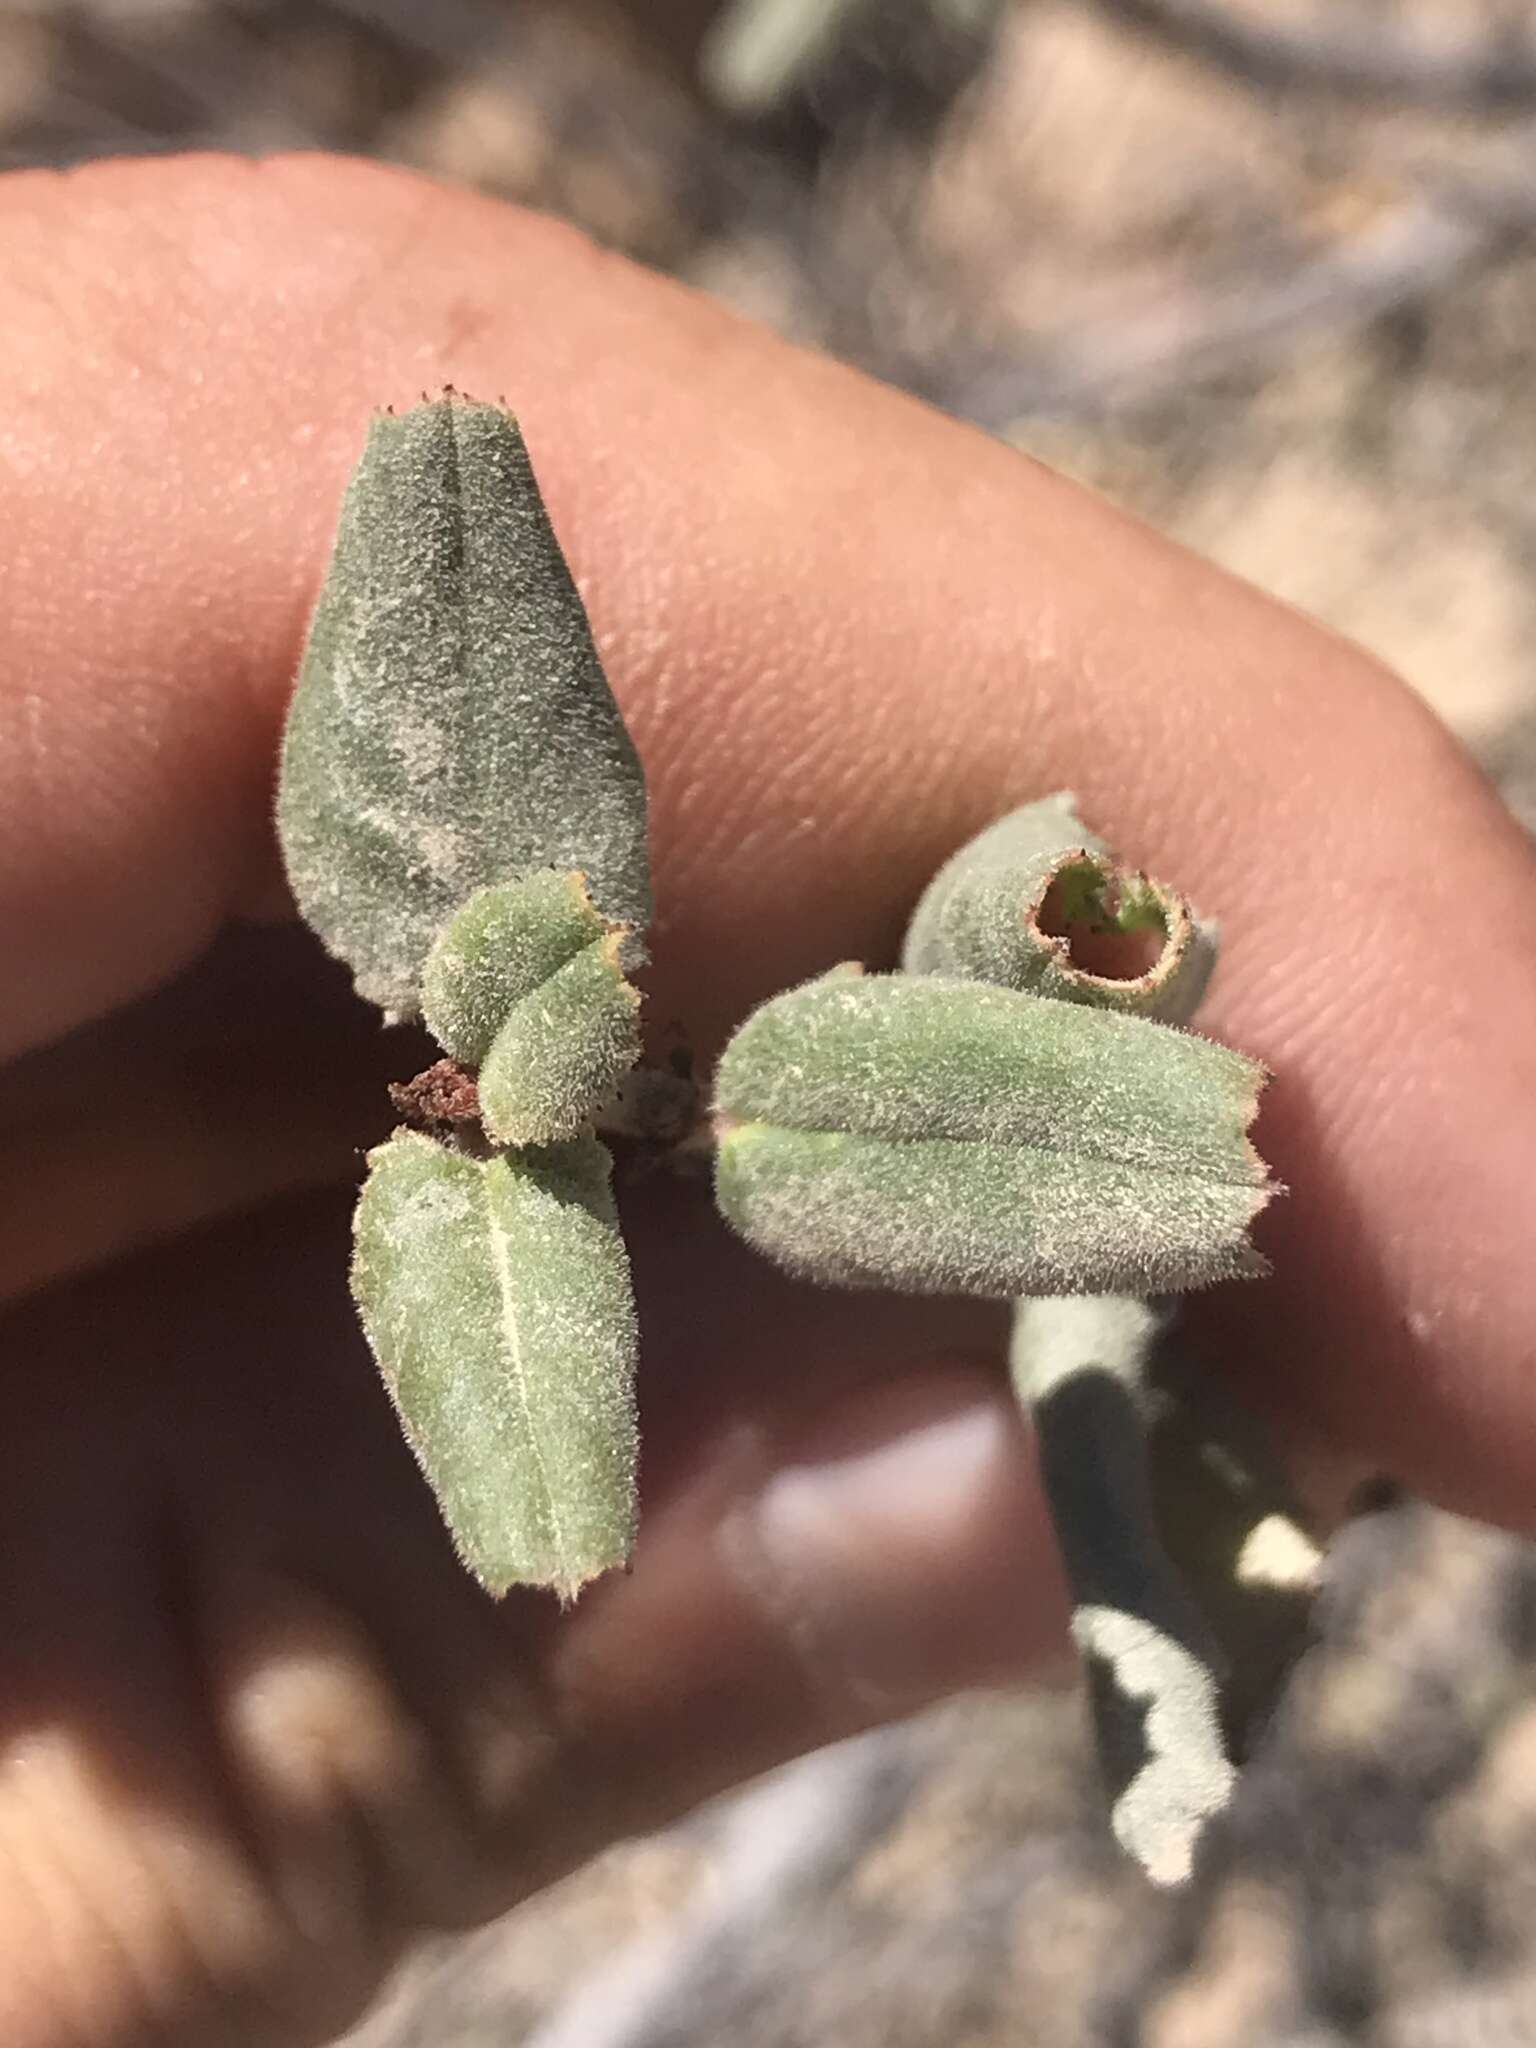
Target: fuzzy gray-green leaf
{"points": [[496, 1297], [1005, 908], [939, 1216], [452, 725], [941, 1136], [562, 1049], [508, 939], [905, 1056]]}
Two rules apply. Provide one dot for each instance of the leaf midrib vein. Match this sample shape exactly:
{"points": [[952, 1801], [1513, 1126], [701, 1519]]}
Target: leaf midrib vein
{"points": [[499, 1255]]}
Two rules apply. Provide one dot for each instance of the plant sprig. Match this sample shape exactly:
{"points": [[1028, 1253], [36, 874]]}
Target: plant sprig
{"points": [[1010, 1114]]}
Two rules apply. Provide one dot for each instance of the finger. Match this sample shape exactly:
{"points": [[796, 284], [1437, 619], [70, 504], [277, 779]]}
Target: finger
{"points": [[845, 631], [283, 1730], [249, 1075]]}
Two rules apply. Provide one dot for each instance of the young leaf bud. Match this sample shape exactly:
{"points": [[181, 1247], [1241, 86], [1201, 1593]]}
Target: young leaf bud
{"points": [[1017, 904], [508, 939], [561, 1050], [496, 1297], [452, 725], [941, 1136]]}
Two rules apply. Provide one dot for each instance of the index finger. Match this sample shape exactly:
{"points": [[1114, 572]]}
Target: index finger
{"points": [[845, 632]]}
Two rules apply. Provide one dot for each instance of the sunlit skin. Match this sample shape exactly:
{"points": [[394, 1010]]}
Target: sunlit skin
{"points": [[258, 1729]]}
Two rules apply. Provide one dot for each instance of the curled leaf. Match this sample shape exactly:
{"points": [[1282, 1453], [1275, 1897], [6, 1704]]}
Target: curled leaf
{"points": [[1037, 903], [452, 725], [561, 1050], [526, 983], [496, 1297], [942, 1136], [508, 938]]}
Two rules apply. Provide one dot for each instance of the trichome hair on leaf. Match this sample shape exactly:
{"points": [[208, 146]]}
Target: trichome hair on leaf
{"points": [[509, 937], [561, 1051], [452, 725], [1019, 904], [942, 1136], [496, 1297], [526, 983]]}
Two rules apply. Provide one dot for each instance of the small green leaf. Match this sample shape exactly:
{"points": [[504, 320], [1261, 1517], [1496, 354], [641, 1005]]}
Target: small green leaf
{"points": [[496, 1297], [909, 1057], [1007, 907], [452, 725], [945, 1137], [946, 1217], [509, 938], [561, 1050], [526, 983]]}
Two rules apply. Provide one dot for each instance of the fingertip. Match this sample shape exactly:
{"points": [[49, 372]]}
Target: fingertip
{"points": [[812, 1579]]}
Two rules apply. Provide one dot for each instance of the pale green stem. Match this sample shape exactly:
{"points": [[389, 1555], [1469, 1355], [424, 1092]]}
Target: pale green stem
{"points": [[1079, 1364]]}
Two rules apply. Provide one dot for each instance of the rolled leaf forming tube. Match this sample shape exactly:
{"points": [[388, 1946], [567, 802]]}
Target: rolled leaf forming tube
{"points": [[992, 913]]}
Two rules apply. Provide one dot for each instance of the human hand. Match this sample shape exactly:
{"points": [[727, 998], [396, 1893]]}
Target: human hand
{"points": [[257, 1725]]}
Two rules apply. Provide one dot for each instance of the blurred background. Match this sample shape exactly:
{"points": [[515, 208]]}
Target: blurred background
{"points": [[1264, 271]]}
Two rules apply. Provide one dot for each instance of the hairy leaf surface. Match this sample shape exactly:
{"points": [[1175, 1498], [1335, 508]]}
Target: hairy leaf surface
{"points": [[508, 939], [452, 725], [943, 1136], [1002, 909], [496, 1297], [562, 1049]]}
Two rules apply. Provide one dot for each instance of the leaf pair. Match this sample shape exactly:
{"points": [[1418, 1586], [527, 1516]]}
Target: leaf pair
{"points": [[463, 818], [452, 725], [941, 1136]]}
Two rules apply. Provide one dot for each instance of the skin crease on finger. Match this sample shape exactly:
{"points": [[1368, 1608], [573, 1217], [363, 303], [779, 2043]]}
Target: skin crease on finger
{"points": [[845, 632]]}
